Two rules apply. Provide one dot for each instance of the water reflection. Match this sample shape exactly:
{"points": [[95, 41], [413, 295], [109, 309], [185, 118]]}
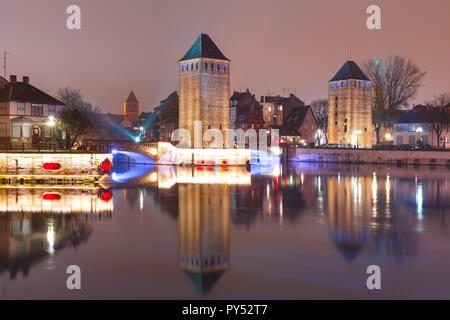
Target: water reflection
{"points": [[204, 232], [34, 225]]}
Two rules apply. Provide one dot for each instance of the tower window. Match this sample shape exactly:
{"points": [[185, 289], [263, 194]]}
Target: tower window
{"points": [[355, 84], [345, 128], [182, 68], [187, 67], [212, 67], [359, 84], [196, 66], [192, 66], [335, 123], [345, 120], [206, 65], [224, 67], [337, 84], [347, 83], [342, 84], [332, 85], [218, 67]]}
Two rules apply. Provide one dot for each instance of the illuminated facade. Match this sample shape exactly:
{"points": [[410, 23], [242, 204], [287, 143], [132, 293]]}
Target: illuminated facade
{"points": [[350, 108], [25, 113], [204, 88]]}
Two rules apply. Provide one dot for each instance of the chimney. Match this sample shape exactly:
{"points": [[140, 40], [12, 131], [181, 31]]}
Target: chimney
{"points": [[12, 78], [26, 79]]}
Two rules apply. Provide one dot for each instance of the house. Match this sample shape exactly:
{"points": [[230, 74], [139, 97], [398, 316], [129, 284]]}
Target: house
{"points": [[163, 121], [27, 114], [276, 109], [415, 126], [249, 114], [300, 126]]}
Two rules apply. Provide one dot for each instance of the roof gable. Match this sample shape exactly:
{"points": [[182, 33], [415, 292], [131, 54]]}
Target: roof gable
{"points": [[350, 70], [24, 92], [132, 97], [204, 47]]}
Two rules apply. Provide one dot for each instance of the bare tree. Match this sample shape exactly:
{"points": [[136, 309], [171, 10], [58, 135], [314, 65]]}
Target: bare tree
{"points": [[320, 110], [395, 81], [75, 117], [438, 115]]}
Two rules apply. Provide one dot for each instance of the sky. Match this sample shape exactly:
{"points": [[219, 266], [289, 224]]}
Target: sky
{"points": [[134, 45]]}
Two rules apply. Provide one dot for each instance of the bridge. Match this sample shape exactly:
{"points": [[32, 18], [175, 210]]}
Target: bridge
{"points": [[166, 154]]}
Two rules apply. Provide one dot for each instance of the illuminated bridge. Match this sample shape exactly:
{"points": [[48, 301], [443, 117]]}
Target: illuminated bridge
{"points": [[166, 154]]}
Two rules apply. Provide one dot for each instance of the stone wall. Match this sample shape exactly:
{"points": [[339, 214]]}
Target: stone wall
{"points": [[367, 156]]}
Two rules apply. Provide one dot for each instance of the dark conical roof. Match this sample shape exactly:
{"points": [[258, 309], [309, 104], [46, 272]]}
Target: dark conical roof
{"points": [[204, 47], [203, 282], [350, 70], [132, 97]]}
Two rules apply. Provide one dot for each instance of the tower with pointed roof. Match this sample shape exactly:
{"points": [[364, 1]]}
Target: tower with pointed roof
{"points": [[131, 107], [350, 107], [204, 88]]}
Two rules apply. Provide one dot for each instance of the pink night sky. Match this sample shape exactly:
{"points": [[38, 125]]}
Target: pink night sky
{"points": [[273, 44]]}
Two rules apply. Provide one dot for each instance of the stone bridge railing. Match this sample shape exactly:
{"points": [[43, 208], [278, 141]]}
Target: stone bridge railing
{"points": [[144, 148]]}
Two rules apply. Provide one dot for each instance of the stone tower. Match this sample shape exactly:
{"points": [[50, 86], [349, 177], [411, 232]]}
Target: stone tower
{"points": [[131, 107], [204, 88], [350, 107]]}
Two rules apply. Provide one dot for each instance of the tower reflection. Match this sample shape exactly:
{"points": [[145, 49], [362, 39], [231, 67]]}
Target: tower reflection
{"points": [[204, 232]]}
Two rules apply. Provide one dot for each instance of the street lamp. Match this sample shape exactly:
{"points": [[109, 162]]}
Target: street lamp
{"points": [[51, 124]]}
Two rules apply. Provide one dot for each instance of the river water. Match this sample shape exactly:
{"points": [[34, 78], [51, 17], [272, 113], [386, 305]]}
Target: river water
{"points": [[302, 231]]}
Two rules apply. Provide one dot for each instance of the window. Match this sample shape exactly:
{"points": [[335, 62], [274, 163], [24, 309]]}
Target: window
{"points": [[187, 67], [224, 67], [212, 66], [26, 130], [425, 139], [345, 120], [182, 68], [206, 65], [2, 129], [345, 128], [37, 111], [347, 83], [51, 110], [412, 140], [399, 139], [196, 66], [21, 109], [2, 108], [16, 130], [192, 66]]}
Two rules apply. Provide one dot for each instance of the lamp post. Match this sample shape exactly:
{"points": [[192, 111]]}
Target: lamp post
{"points": [[51, 124]]}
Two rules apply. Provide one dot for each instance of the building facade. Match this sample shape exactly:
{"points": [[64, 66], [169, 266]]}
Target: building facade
{"points": [[415, 127], [350, 108], [276, 109], [27, 114], [249, 114], [300, 127], [204, 88]]}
